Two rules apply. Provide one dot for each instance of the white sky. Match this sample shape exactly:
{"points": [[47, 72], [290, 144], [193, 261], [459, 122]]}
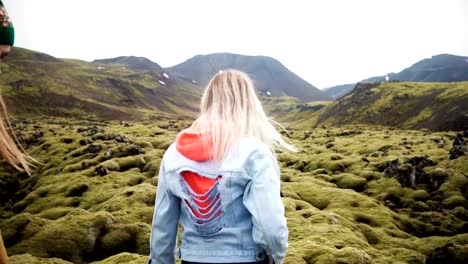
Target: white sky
{"points": [[325, 42]]}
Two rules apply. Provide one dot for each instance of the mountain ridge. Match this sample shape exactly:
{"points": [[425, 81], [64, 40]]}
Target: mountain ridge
{"points": [[133, 62], [270, 75], [438, 68], [75, 88]]}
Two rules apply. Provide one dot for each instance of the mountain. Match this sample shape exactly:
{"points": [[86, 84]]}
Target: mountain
{"points": [[35, 83], [132, 62], [438, 68], [408, 105], [339, 91], [270, 76]]}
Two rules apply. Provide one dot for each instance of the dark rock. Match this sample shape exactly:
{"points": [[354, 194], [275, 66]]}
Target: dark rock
{"points": [[439, 141], [449, 253], [348, 133], [121, 139], [46, 146], [68, 140], [411, 172], [460, 145], [77, 190], [91, 131], [85, 141], [94, 148], [135, 150], [101, 171], [285, 133], [9, 185], [157, 133], [385, 149], [32, 140]]}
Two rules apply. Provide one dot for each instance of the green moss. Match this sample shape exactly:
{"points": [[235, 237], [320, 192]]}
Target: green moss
{"points": [[54, 213], [73, 237], [124, 258], [371, 236], [27, 258], [21, 227], [350, 181], [327, 224]]}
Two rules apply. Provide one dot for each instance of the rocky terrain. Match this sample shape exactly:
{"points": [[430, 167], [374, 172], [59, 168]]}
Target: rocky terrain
{"points": [[355, 194]]}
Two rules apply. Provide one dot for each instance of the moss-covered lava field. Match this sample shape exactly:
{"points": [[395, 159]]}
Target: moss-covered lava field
{"points": [[354, 194]]}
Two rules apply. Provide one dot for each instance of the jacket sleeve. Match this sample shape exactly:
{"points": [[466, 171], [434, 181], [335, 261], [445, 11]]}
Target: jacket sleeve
{"points": [[262, 199], [165, 221]]}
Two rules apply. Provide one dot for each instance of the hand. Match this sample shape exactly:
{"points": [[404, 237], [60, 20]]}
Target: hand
{"points": [[4, 51]]}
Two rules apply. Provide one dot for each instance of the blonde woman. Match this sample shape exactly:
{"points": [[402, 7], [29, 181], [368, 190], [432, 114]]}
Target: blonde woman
{"points": [[221, 181]]}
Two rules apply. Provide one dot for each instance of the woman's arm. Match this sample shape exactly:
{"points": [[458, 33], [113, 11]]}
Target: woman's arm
{"points": [[262, 199], [165, 222]]}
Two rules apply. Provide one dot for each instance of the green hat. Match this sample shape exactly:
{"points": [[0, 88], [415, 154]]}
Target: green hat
{"points": [[7, 32]]}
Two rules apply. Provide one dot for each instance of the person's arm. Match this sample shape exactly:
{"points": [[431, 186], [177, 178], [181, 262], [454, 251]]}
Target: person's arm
{"points": [[7, 32], [263, 200], [165, 222]]}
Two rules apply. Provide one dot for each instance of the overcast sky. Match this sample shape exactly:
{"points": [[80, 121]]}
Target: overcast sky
{"points": [[325, 42]]}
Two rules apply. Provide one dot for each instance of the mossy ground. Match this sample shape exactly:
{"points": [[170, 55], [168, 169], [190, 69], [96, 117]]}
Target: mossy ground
{"points": [[91, 199]]}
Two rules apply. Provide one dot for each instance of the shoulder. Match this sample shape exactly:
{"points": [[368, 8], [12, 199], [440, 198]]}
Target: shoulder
{"points": [[171, 153], [251, 151], [253, 148], [259, 158]]}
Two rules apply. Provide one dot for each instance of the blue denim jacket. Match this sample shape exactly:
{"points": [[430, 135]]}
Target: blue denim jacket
{"points": [[239, 219]]}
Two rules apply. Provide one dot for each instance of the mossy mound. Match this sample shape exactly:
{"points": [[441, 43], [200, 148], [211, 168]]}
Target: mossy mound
{"points": [[124, 258], [29, 259]]}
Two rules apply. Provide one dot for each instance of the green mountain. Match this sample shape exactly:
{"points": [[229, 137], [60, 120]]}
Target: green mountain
{"points": [[34, 84], [132, 62], [435, 106], [270, 76], [438, 68]]}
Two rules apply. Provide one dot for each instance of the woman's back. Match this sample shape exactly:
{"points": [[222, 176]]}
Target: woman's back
{"points": [[227, 199]]}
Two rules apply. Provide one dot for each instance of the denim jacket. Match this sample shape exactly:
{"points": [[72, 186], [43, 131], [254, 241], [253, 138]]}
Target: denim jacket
{"points": [[238, 217]]}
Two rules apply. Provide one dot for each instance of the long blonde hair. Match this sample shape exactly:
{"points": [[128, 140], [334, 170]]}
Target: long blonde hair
{"points": [[230, 111], [8, 149]]}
